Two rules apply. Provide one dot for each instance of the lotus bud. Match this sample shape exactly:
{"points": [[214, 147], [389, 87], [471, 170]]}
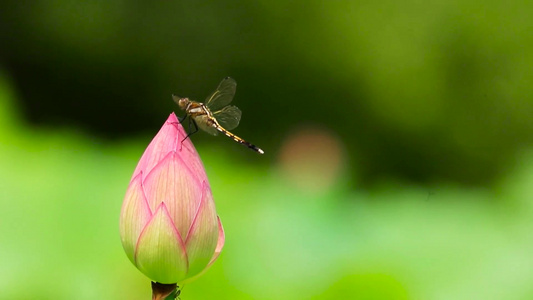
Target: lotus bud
{"points": [[168, 224]]}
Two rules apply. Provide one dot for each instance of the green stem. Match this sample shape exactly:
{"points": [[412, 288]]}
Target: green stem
{"points": [[162, 291]]}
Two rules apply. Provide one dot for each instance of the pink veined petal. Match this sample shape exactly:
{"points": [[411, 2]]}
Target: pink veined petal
{"points": [[220, 242], [160, 253], [191, 158], [166, 140], [172, 182], [134, 215], [170, 138], [218, 250], [201, 239]]}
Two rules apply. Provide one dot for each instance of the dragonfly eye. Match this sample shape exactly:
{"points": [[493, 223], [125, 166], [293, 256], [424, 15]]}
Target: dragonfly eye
{"points": [[183, 102]]}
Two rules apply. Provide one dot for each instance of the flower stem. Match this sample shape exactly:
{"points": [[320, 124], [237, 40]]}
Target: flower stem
{"points": [[162, 291]]}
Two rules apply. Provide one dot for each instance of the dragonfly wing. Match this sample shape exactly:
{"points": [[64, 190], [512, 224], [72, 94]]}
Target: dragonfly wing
{"points": [[223, 95], [228, 117], [201, 121]]}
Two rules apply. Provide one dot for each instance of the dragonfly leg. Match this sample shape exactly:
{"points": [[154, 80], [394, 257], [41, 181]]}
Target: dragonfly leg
{"points": [[182, 118], [191, 132]]}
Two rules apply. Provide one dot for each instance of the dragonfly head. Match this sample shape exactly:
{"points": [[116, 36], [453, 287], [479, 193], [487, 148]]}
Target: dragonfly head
{"points": [[182, 102]]}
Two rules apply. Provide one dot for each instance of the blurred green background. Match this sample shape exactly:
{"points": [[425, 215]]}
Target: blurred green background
{"points": [[398, 140]]}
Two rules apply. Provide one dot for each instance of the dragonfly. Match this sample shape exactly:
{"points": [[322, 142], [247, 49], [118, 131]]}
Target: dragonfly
{"points": [[215, 115]]}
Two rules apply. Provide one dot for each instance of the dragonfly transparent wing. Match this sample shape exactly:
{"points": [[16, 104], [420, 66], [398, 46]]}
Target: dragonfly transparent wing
{"points": [[228, 117], [201, 121], [211, 130], [223, 95]]}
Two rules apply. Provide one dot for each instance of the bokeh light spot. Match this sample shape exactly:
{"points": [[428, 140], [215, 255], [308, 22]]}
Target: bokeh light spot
{"points": [[312, 159]]}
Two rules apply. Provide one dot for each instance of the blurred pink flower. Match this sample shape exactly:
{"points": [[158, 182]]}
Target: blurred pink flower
{"points": [[168, 224]]}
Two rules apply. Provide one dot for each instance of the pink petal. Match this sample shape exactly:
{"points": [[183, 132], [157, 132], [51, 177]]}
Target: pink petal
{"points": [[192, 159], [220, 245], [169, 138], [166, 140], [160, 253], [220, 242], [202, 238], [134, 215], [188, 153], [171, 181]]}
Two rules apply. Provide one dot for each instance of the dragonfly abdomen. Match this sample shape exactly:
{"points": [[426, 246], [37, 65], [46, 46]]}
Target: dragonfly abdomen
{"points": [[238, 139]]}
